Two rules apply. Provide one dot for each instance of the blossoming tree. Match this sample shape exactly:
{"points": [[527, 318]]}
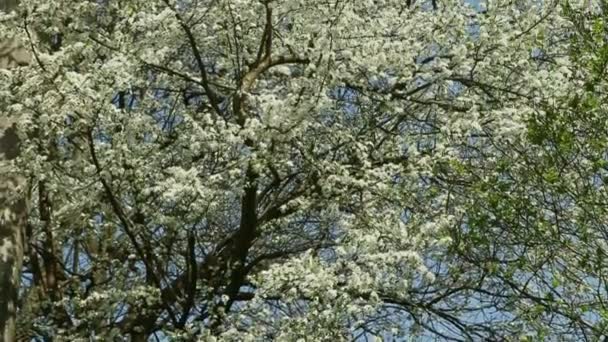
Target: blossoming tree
{"points": [[290, 170]]}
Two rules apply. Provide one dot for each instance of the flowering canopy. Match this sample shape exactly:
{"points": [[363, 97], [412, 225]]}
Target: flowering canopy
{"points": [[290, 170]]}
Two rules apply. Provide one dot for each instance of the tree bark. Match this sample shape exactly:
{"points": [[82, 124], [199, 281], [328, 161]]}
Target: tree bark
{"points": [[13, 208], [12, 222]]}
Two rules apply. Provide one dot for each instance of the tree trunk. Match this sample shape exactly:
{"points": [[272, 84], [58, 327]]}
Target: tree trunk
{"points": [[12, 209]]}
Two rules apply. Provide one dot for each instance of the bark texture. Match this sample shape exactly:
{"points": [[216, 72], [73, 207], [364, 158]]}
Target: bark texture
{"points": [[12, 206]]}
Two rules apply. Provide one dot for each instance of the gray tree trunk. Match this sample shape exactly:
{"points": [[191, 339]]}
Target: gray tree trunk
{"points": [[12, 210]]}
